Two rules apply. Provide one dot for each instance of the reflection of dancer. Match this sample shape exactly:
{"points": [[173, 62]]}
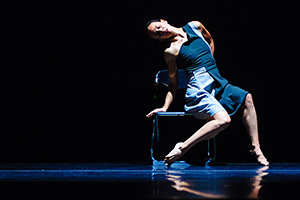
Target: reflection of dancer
{"points": [[209, 96], [184, 186], [194, 186], [256, 182]]}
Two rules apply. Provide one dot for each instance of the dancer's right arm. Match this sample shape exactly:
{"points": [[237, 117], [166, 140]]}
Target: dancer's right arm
{"points": [[173, 79], [173, 84]]}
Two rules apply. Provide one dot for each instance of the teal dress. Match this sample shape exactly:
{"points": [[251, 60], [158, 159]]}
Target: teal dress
{"points": [[207, 91]]}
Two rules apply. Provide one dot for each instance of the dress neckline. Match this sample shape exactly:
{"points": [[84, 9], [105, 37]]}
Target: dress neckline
{"points": [[188, 39]]}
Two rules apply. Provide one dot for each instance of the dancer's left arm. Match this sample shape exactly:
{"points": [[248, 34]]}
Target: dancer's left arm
{"points": [[207, 36]]}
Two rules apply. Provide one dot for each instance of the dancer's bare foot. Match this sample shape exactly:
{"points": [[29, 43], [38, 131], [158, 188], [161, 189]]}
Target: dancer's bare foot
{"points": [[174, 155], [257, 153]]}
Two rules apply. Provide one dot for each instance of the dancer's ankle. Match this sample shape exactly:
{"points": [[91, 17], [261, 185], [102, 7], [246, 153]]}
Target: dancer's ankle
{"points": [[255, 145], [183, 146]]}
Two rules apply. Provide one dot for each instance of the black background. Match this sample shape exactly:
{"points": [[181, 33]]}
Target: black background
{"points": [[77, 77]]}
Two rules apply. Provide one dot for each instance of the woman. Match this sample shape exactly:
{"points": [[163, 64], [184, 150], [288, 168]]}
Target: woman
{"points": [[209, 96]]}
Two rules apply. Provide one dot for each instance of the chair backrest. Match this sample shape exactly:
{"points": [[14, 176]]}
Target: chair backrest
{"points": [[162, 77]]}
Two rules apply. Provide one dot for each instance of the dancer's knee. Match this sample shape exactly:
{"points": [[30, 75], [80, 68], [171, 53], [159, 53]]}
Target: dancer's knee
{"points": [[249, 100], [223, 119]]}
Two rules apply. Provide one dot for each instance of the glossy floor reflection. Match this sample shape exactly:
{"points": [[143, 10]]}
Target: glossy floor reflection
{"points": [[147, 181]]}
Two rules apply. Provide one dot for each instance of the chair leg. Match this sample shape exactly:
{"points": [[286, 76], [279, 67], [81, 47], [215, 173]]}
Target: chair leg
{"points": [[155, 150], [152, 139], [211, 151], [215, 149]]}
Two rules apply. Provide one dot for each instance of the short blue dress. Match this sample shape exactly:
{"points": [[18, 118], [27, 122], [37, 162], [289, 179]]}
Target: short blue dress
{"points": [[207, 91]]}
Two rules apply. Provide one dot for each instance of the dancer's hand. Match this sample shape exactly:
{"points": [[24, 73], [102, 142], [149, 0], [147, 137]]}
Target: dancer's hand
{"points": [[157, 110]]}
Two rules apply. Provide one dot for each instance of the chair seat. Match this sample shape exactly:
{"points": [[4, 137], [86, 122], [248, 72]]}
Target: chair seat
{"points": [[170, 114]]}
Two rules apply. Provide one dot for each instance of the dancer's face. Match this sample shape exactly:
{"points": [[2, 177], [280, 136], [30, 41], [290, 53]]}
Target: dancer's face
{"points": [[160, 30]]}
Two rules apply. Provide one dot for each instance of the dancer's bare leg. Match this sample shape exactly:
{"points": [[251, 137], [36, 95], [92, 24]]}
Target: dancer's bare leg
{"points": [[217, 123], [250, 120]]}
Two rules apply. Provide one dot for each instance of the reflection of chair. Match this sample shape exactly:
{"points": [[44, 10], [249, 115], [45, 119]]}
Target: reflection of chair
{"points": [[162, 77]]}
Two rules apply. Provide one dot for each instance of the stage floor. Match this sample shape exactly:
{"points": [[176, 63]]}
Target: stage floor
{"points": [[147, 181]]}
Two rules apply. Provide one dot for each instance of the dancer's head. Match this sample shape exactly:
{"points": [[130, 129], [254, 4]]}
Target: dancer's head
{"points": [[159, 29]]}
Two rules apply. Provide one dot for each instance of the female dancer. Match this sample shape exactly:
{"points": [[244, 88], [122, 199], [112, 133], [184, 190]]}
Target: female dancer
{"points": [[209, 96]]}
